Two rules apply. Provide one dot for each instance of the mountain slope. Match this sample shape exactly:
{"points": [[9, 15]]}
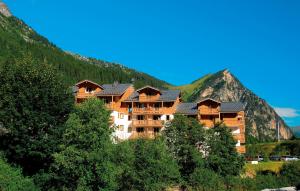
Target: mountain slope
{"points": [[19, 41], [188, 89], [260, 116], [296, 131]]}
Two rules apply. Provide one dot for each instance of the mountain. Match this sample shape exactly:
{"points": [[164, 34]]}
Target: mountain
{"points": [[4, 10], [19, 41], [296, 131], [260, 116]]}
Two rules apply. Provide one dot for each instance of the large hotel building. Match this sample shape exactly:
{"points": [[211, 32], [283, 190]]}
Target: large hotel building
{"points": [[143, 112]]}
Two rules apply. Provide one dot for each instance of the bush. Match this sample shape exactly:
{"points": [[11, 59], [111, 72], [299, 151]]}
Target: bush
{"points": [[291, 171]]}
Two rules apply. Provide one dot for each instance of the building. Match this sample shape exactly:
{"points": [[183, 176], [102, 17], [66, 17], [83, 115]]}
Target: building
{"points": [[143, 112]]}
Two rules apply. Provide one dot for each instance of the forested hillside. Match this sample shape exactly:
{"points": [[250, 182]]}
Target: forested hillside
{"points": [[17, 40]]}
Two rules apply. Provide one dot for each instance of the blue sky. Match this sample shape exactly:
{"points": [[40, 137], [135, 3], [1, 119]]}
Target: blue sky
{"points": [[179, 41]]}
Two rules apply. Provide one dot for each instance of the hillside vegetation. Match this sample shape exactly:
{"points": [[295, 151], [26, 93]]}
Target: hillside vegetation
{"points": [[17, 40], [188, 89]]}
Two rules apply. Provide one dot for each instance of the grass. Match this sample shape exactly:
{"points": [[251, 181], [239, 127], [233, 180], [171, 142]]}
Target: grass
{"points": [[252, 169], [188, 89]]}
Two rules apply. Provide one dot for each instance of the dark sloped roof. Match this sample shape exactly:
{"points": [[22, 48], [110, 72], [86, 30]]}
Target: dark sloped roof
{"points": [[113, 89], [169, 95], [232, 107], [74, 89], [166, 95], [187, 108]]}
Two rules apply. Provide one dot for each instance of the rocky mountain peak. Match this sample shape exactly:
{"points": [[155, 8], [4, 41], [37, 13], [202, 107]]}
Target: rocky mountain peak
{"points": [[228, 77], [4, 9], [260, 116]]}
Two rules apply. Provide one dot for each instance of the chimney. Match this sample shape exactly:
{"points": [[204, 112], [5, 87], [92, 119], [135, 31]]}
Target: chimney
{"points": [[115, 83]]}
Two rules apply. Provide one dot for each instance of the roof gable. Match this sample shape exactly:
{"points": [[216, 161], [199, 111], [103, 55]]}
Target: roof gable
{"points": [[148, 87], [166, 96], [90, 82], [207, 99]]}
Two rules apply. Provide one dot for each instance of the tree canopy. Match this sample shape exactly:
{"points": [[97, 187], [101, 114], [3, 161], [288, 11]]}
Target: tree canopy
{"points": [[34, 105]]}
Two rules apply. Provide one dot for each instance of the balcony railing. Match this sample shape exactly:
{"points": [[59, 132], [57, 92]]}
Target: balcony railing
{"points": [[241, 149], [149, 135], [207, 111], [84, 95], [147, 110], [240, 137], [109, 105], [148, 98], [152, 123]]}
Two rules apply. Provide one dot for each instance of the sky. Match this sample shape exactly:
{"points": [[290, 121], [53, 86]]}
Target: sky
{"points": [[179, 41]]}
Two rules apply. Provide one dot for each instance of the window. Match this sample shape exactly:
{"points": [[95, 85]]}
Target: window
{"points": [[140, 129], [121, 128], [156, 130], [129, 117], [89, 90], [140, 117], [156, 117], [121, 115], [129, 129], [157, 106], [168, 104], [168, 117]]}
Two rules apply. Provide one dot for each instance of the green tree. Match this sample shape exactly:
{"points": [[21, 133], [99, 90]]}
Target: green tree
{"points": [[205, 180], [223, 157], [85, 161], [185, 138], [11, 179], [33, 106], [154, 168]]}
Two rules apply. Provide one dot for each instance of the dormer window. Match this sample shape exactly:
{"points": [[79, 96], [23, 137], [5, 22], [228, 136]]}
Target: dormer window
{"points": [[89, 90]]}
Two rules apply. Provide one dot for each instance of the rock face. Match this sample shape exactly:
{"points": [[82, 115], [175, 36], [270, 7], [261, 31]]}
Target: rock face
{"points": [[260, 116], [4, 10]]}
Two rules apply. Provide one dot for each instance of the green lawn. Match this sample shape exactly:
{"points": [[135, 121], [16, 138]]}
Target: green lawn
{"points": [[251, 169]]}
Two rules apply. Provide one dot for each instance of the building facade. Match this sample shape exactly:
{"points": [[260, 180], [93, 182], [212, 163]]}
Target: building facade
{"points": [[143, 112]]}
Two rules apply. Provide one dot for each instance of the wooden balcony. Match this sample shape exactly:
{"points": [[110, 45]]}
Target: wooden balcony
{"points": [[147, 110], [84, 95], [240, 137], [147, 135], [110, 105], [241, 149], [208, 122], [143, 98], [207, 111], [233, 122], [147, 123]]}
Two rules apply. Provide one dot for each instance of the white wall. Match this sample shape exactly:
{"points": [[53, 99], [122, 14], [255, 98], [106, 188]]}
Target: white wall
{"points": [[123, 135]]}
